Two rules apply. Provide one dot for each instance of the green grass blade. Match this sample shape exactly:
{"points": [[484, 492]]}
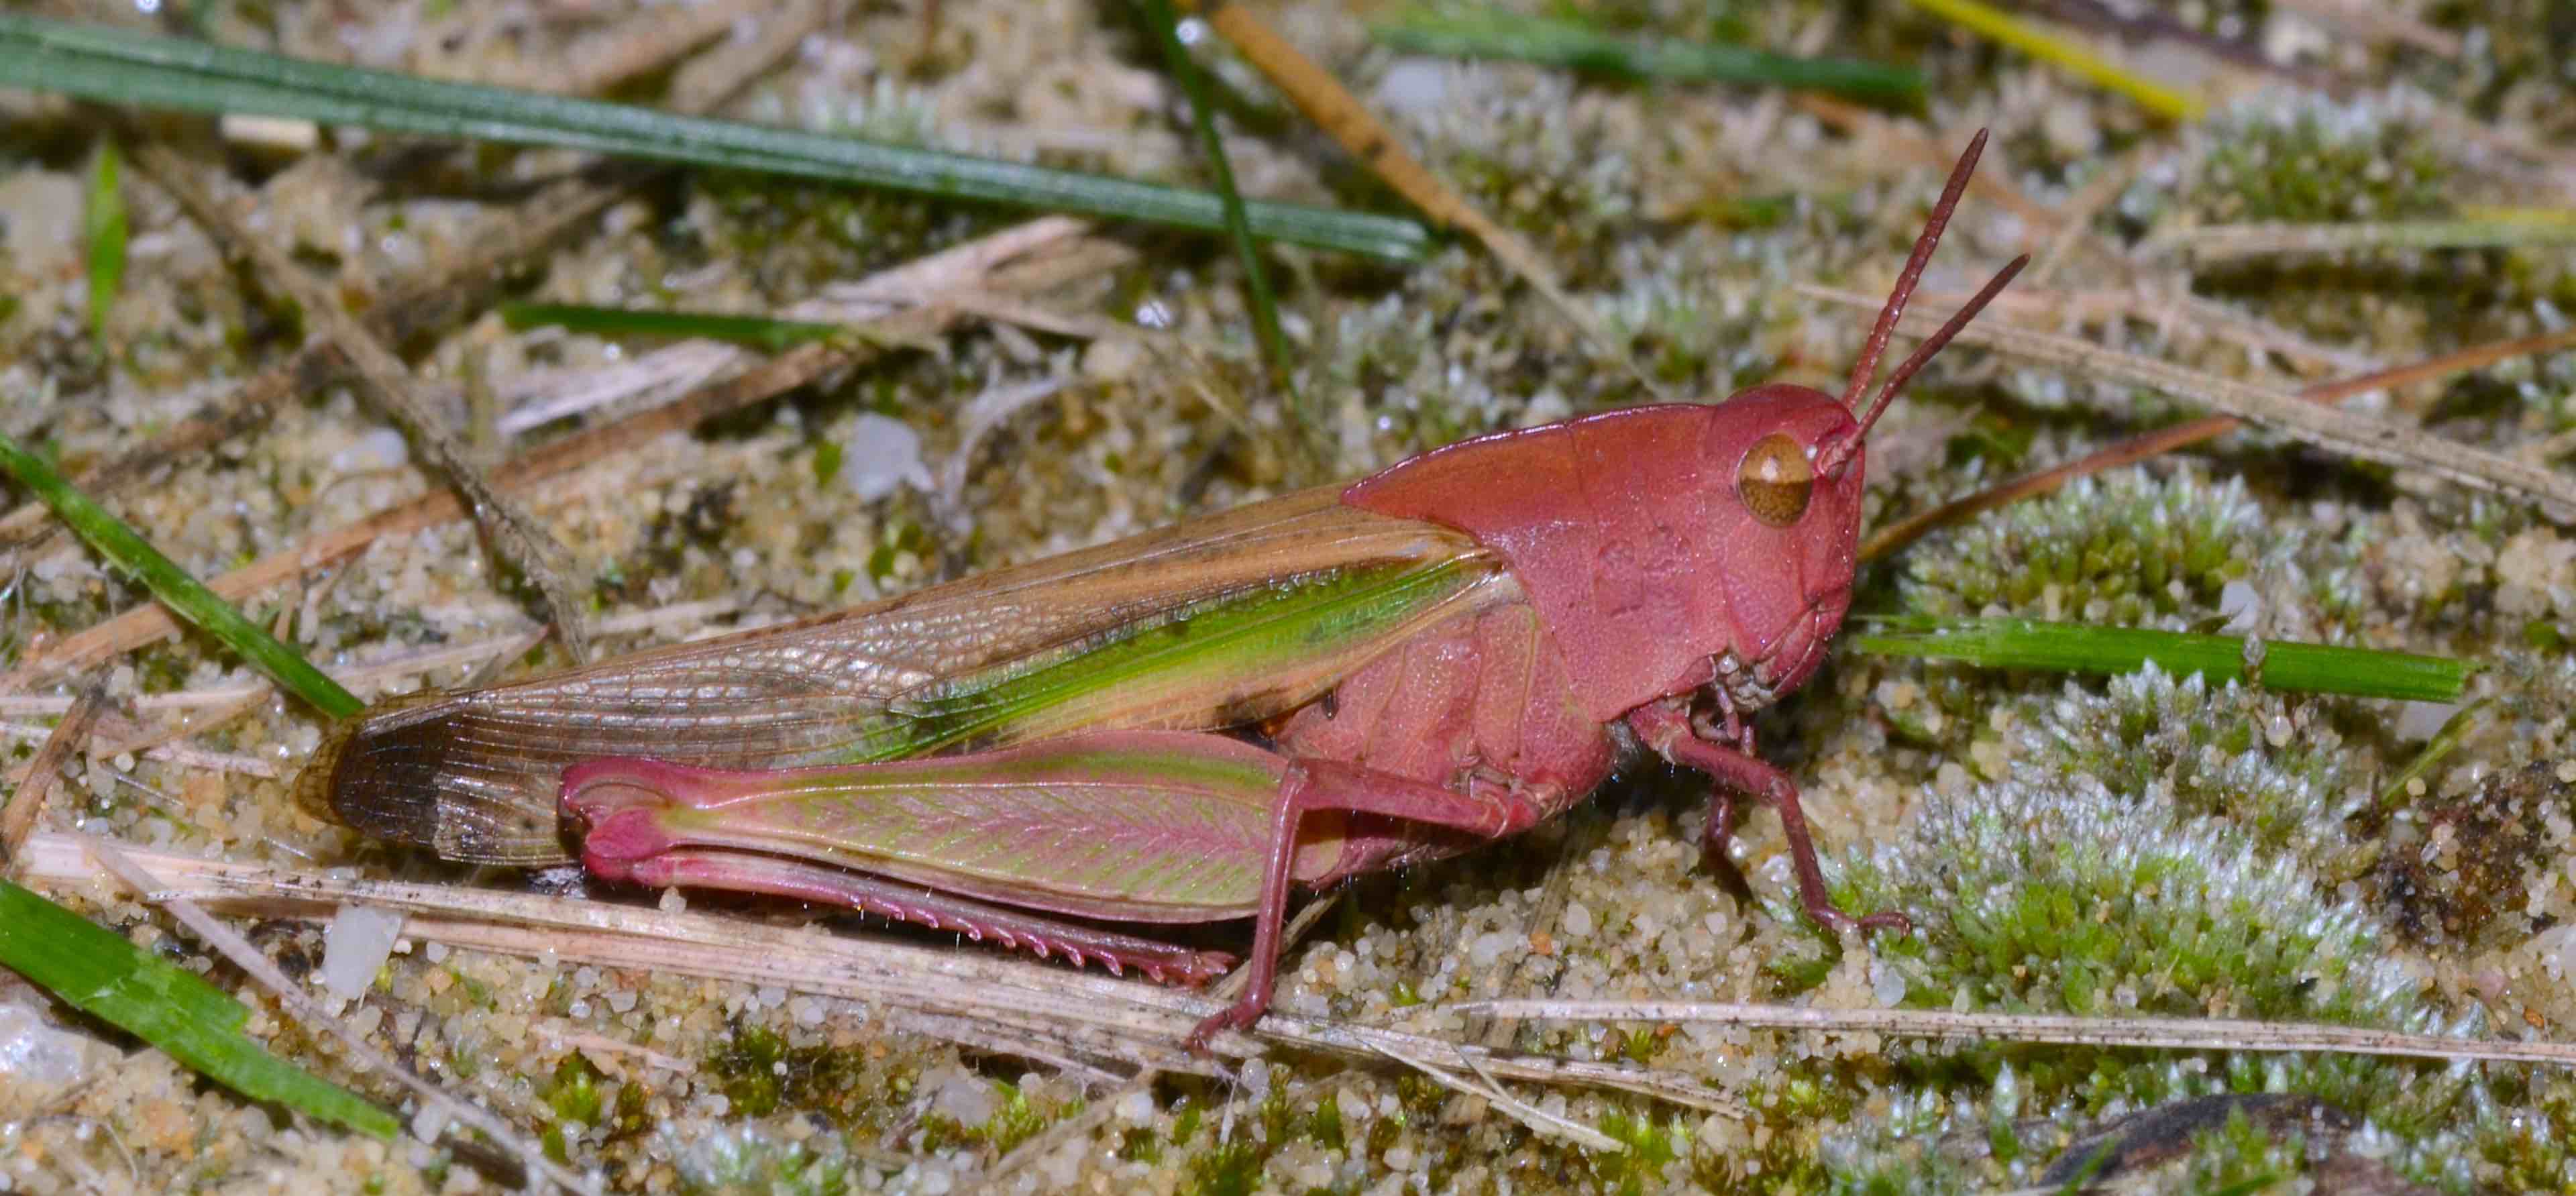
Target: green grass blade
{"points": [[184, 595], [2079, 648], [1238, 226], [103, 227], [116, 66], [1477, 33], [98, 972], [756, 332], [2454, 729]]}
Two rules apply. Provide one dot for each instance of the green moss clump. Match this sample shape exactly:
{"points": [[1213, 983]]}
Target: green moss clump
{"points": [[572, 1095], [2243, 1157], [2126, 549], [2065, 896], [801, 236], [2317, 161], [2265, 761], [1516, 142], [761, 1074], [1233, 1169], [2521, 1137], [1015, 1119], [745, 1065], [573, 1091], [1681, 331], [742, 1161], [2060, 895], [1651, 1146]]}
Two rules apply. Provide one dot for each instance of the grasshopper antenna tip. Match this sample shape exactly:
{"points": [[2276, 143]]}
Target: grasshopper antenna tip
{"points": [[1865, 369]]}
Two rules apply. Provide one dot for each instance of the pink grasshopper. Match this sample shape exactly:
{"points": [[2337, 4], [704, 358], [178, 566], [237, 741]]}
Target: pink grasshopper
{"points": [[1455, 649]]}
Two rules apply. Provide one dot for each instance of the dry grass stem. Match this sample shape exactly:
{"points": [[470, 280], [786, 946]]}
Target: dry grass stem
{"points": [[2369, 18], [133, 870], [372, 675], [434, 298], [971, 995], [2346, 432], [2176, 1033], [2170, 308], [36, 783], [1513, 1107], [2148, 445], [541, 558], [1017, 256], [705, 82], [635, 48], [1358, 130], [2224, 242], [171, 753]]}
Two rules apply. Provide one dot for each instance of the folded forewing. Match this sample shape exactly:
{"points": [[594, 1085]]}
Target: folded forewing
{"points": [[1219, 622]]}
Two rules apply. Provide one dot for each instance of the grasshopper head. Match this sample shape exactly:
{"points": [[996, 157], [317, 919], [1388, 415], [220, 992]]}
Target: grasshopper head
{"points": [[1795, 526], [1796, 458]]}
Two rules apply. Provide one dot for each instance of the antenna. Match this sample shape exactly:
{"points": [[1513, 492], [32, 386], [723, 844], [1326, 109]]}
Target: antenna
{"points": [[1866, 368]]}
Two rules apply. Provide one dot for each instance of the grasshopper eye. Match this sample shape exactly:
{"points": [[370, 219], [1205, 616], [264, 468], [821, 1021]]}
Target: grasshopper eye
{"points": [[1775, 480]]}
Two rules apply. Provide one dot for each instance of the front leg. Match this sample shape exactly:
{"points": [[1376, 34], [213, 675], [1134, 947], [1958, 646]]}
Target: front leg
{"points": [[1668, 732]]}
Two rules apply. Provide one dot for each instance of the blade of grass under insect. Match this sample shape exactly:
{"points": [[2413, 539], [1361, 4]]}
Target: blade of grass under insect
{"points": [[2066, 52], [98, 972], [103, 226], [1480, 33], [116, 66], [1238, 228], [184, 595], [2081, 648], [755, 332]]}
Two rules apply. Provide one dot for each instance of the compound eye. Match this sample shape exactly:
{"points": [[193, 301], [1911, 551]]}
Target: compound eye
{"points": [[1775, 480]]}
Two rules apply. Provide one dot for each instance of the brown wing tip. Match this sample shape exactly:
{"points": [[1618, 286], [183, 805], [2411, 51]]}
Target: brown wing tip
{"points": [[397, 776]]}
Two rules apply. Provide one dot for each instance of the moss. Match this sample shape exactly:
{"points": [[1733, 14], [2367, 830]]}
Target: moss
{"points": [[1139, 1144], [853, 1088], [743, 1161], [1681, 330], [1015, 1119], [2520, 1137], [796, 238], [1324, 1124], [2243, 1157], [2317, 161], [1651, 1145], [2059, 895], [2268, 762], [571, 1094], [2062, 895], [1514, 141], [1232, 1169], [2127, 549], [745, 1065]]}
